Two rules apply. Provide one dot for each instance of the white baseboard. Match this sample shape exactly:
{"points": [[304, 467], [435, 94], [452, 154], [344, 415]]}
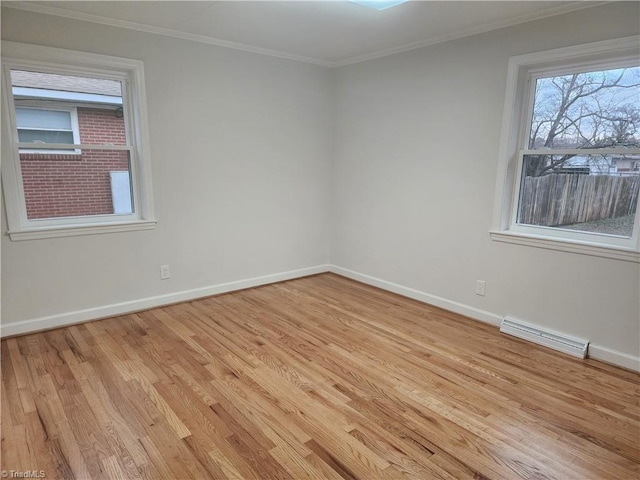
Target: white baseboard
{"points": [[462, 309], [614, 357], [79, 316], [64, 319], [596, 352]]}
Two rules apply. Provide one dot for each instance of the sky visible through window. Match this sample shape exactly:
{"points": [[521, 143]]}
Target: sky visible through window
{"points": [[597, 109]]}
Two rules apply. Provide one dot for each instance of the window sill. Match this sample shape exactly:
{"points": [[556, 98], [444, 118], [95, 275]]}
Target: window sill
{"points": [[572, 246], [77, 230]]}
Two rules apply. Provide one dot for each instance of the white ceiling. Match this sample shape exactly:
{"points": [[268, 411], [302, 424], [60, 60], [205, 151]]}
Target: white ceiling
{"points": [[328, 33]]}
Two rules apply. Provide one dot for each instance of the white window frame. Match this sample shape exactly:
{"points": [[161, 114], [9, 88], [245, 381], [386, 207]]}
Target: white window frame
{"points": [[522, 71], [75, 129], [20, 56]]}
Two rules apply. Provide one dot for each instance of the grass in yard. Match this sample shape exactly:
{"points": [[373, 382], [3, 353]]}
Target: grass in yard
{"points": [[622, 226]]}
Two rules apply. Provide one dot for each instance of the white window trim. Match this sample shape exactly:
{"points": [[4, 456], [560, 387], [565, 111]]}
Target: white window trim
{"points": [[75, 129], [21, 56], [503, 226]]}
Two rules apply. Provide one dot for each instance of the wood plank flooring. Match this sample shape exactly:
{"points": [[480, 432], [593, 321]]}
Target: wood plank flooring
{"points": [[320, 377]]}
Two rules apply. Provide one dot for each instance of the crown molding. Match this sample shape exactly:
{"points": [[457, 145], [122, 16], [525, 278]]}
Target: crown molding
{"points": [[167, 32], [99, 19], [488, 27]]}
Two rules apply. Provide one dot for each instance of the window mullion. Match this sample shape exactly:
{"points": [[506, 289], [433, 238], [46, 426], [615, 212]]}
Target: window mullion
{"points": [[38, 129], [77, 146], [583, 151]]}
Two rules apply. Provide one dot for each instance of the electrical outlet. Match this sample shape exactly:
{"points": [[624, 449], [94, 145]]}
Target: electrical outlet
{"points": [[164, 272], [480, 287]]}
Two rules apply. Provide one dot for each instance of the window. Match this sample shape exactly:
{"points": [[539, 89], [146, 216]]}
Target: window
{"points": [[39, 125], [570, 142], [78, 159]]}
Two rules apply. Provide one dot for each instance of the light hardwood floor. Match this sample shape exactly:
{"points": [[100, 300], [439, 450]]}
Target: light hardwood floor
{"points": [[319, 377]]}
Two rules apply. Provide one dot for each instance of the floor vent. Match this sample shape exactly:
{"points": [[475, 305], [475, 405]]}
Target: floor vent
{"points": [[572, 346]]}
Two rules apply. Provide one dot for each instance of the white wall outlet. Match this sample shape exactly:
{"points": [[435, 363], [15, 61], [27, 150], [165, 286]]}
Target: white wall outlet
{"points": [[481, 285], [164, 272]]}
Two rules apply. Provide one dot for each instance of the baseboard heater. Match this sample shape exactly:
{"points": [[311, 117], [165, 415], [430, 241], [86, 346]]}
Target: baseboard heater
{"points": [[572, 346]]}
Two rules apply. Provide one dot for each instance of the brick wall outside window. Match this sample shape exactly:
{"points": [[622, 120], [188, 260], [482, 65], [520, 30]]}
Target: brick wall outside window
{"points": [[60, 185]]}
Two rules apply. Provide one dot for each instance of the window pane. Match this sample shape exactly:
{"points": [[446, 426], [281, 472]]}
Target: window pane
{"points": [[71, 183], [597, 109], [50, 119], [45, 136], [96, 102], [589, 193], [99, 126], [40, 84], [97, 182]]}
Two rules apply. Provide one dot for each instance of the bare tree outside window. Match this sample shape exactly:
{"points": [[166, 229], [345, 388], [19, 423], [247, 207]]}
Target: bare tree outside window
{"points": [[563, 187]]}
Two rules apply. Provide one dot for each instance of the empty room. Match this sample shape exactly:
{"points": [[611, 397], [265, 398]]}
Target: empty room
{"points": [[320, 239]]}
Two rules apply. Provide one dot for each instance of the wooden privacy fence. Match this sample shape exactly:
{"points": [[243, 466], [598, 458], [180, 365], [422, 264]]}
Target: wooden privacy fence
{"points": [[564, 199]]}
